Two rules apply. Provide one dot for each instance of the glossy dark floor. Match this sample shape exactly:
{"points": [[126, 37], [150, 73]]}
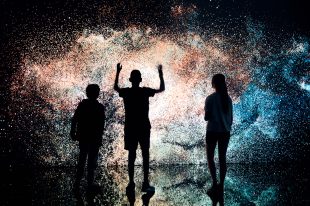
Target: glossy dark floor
{"points": [[175, 185]]}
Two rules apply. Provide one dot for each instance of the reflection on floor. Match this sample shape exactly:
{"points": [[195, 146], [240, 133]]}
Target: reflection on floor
{"points": [[175, 185]]}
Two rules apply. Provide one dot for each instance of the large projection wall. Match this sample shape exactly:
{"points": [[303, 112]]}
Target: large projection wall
{"points": [[269, 85]]}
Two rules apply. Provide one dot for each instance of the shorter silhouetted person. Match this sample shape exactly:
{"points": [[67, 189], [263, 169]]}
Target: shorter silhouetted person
{"points": [[87, 127], [137, 123], [218, 113]]}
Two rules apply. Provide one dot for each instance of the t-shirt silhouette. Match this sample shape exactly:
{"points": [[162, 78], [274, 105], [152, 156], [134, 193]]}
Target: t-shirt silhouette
{"points": [[218, 121], [136, 101], [90, 117]]}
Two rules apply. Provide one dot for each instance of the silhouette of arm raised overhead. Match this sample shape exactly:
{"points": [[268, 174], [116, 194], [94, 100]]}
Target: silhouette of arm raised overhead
{"points": [[118, 70], [161, 77]]}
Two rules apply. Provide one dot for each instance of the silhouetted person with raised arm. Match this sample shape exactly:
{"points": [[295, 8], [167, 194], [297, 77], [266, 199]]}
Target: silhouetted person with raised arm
{"points": [[87, 127], [218, 113], [137, 123]]}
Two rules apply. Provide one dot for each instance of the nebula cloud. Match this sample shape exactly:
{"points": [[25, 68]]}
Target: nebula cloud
{"points": [[270, 92]]}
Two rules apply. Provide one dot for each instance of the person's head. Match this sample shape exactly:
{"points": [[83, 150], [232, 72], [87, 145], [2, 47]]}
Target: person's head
{"points": [[135, 78], [218, 82], [92, 91]]}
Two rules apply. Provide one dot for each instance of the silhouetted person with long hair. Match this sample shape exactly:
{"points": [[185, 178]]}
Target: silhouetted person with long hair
{"points": [[218, 113], [137, 123], [87, 127]]}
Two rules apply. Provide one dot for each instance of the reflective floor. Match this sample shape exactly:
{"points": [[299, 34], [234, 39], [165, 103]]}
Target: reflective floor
{"points": [[175, 185]]}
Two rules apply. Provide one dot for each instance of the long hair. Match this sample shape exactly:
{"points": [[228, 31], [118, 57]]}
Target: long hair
{"points": [[219, 83]]}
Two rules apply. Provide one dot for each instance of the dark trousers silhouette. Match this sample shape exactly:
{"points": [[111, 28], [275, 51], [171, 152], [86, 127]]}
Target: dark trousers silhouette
{"points": [[90, 151], [131, 163], [222, 138]]}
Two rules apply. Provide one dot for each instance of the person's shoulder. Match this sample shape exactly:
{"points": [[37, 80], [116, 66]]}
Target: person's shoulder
{"points": [[230, 100], [211, 96], [83, 102], [147, 89], [125, 89], [82, 105], [123, 92], [101, 106]]}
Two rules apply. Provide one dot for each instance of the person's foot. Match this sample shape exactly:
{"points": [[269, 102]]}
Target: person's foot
{"points": [[146, 187], [131, 193], [220, 191], [213, 191]]}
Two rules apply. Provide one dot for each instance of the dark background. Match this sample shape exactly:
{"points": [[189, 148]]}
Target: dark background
{"points": [[21, 20]]}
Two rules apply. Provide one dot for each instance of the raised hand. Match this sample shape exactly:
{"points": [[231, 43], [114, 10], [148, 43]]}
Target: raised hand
{"points": [[161, 77], [160, 69], [119, 67], [118, 70]]}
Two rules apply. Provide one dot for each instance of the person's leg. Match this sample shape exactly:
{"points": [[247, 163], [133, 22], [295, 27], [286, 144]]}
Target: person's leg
{"points": [[145, 148], [222, 149], [81, 164], [146, 187], [146, 163], [211, 144], [92, 163], [144, 142], [131, 164]]}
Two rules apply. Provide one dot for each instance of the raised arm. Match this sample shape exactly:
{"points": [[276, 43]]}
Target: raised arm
{"points": [[161, 77], [118, 70]]}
